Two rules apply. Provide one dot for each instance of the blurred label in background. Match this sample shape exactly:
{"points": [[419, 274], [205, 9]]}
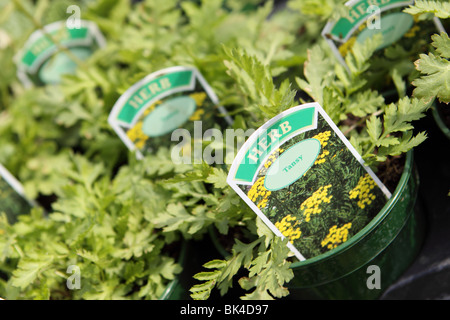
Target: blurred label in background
{"points": [[54, 51]]}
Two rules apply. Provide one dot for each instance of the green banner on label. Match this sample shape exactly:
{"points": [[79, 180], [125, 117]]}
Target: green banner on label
{"points": [[270, 139], [359, 12], [149, 90], [44, 43]]}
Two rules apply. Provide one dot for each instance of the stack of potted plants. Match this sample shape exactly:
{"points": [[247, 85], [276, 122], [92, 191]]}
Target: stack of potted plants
{"points": [[107, 225]]}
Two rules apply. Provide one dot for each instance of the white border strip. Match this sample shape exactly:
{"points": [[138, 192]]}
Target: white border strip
{"points": [[15, 184]]}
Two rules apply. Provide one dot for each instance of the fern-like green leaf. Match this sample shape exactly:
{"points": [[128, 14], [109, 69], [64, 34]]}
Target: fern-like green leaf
{"points": [[435, 69], [437, 8]]}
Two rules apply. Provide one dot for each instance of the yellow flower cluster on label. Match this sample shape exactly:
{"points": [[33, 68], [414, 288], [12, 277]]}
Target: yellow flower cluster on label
{"points": [[362, 191], [336, 236], [135, 134], [347, 46], [197, 115], [198, 97], [259, 194], [321, 158], [311, 205], [273, 157], [323, 139], [412, 32], [287, 227]]}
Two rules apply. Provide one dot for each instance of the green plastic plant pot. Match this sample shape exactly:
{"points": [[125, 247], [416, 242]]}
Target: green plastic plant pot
{"points": [[178, 288], [391, 241], [439, 121]]}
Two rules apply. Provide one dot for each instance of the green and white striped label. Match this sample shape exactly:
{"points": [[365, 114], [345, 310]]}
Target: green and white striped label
{"points": [[145, 116], [367, 18], [359, 12], [306, 182], [41, 61]]}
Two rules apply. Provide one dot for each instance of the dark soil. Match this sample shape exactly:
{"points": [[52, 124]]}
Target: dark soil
{"points": [[228, 240], [390, 171]]}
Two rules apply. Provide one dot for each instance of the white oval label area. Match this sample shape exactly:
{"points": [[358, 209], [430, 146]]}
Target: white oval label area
{"points": [[292, 164], [168, 116], [393, 27]]}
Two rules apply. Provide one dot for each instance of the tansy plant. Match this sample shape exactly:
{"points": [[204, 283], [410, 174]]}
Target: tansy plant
{"points": [[434, 66], [380, 132], [393, 66]]}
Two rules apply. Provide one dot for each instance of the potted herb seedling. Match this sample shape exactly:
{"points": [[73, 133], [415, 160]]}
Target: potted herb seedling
{"points": [[433, 83], [321, 85], [404, 37], [382, 134]]}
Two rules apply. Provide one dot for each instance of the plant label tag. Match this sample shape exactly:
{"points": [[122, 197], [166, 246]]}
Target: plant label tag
{"points": [[43, 60], [12, 197], [306, 182], [165, 106], [366, 18]]}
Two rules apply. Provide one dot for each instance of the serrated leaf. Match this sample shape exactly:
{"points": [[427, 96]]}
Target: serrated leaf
{"points": [[436, 79], [440, 9], [247, 283], [88, 255], [398, 117], [388, 141], [200, 294], [406, 143], [358, 58], [255, 80], [318, 72], [28, 271], [259, 263], [257, 295], [218, 177], [442, 44], [207, 275], [263, 231], [365, 103], [169, 268], [201, 287], [176, 217], [374, 127], [134, 270], [215, 264]]}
